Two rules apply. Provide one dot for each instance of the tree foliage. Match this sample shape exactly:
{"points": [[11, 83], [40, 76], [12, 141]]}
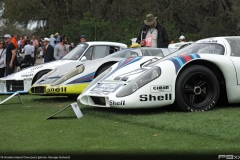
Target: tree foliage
{"points": [[111, 20]]}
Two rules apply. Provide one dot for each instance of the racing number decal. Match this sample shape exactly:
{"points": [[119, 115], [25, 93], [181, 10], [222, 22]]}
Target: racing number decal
{"points": [[62, 89]]}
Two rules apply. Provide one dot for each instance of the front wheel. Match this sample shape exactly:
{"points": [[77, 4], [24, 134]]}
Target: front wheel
{"points": [[197, 89]]}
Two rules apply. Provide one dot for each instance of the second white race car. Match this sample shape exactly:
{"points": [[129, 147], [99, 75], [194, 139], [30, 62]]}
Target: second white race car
{"points": [[21, 81]]}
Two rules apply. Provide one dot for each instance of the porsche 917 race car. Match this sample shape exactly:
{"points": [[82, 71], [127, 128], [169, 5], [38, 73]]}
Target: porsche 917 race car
{"points": [[21, 81], [193, 79], [62, 81]]}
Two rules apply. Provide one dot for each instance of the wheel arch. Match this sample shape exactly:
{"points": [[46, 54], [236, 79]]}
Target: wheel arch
{"points": [[38, 73], [217, 72], [103, 65]]}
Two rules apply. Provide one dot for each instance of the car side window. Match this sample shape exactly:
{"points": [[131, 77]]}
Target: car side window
{"points": [[113, 49], [88, 54], [156, 52], [211, 49], [235, 47], [99, 52], [131, 54]]}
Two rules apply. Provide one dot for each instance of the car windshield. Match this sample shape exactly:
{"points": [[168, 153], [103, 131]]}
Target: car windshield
{"points": [[126, 53], [152, 52], [203, 48], [76, 53]]}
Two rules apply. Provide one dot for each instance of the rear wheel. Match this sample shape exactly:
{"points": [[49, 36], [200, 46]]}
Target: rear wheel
{"points": [[197, 89]]}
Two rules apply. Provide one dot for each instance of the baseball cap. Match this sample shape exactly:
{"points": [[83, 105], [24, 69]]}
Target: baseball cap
{"points": [[83, 36], [182, 37]]}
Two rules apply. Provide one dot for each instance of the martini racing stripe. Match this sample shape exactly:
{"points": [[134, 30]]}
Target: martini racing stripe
{"points": [[179, 61], [86, 78], [122, 64]]}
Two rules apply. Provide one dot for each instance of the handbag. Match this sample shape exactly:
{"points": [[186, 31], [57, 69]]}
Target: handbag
{"points": [[19, 60]]}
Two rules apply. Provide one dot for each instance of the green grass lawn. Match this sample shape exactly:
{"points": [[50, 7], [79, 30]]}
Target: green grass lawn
{"points": [[161, 131]]}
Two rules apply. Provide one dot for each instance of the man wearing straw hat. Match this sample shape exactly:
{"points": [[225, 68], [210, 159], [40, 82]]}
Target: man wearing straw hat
{"points": [[153, 34]]}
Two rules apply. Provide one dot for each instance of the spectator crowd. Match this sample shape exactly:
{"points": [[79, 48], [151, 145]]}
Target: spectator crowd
{"points": [[49, 48]]}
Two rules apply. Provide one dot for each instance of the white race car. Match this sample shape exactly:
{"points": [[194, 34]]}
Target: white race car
{"points": [[21, 81], [194, 78]]}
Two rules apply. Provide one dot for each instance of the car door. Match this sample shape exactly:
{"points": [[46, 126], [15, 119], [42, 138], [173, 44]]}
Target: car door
{"points": [[234, 44]]}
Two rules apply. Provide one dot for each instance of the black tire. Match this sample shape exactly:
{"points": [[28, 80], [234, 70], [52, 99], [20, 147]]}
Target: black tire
{"points": [[197, 89], [39, 75], [102, 69]]}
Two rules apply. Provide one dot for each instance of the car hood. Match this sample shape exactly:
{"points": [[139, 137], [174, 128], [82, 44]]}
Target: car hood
{"points": [[127, 73], [62, 70], [34, 69]]}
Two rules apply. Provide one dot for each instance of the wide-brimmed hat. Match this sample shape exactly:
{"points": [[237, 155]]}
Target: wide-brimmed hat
{"points": [[56, 34], [150, 19], [46, 40], [7, 36]]}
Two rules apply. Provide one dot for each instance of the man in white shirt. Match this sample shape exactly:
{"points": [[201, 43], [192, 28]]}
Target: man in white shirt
{"points": [[28, 51]]}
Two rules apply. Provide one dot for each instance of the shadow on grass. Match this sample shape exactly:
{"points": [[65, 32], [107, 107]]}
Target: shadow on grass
{"points": [[55, 99], [147, 111], [226, 105], [62, 118], [159, 110], [169, 108]]}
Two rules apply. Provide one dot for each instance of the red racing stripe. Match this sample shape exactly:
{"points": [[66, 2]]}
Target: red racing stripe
{"points": [[187, 57]]}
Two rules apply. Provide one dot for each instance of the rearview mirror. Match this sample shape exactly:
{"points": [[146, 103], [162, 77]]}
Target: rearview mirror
{"points": [[83, 59]]}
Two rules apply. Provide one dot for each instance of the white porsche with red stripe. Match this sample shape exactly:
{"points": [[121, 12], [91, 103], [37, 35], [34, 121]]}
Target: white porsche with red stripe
{"points": [[194, 78]]}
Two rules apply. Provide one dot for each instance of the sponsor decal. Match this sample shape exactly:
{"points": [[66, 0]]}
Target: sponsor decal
{"points": [[61, 89], [27, 75], [27, 79], [105, 87], [209, 41], [117, 103], [179, 61], [99, 93], [34, 68], [150, 97], [157, 88]]}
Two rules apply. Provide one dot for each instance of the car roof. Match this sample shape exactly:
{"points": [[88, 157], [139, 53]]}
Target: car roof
{"points": [[106, 43]]}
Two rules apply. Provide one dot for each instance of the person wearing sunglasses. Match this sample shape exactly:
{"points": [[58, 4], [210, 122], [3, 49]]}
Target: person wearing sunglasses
{"points": [[2, 59], [10, 54]]}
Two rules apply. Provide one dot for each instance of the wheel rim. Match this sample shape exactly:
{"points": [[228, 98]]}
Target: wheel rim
{"points": [[197, 91]]}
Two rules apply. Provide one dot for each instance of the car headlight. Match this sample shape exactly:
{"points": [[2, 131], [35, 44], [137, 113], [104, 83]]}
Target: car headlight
{"points": [[140, 81], [70, 74], [95, 80]]}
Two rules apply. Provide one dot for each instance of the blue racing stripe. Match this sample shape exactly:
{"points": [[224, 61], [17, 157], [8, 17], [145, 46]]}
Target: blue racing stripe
{"points": [[179, 61]]}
